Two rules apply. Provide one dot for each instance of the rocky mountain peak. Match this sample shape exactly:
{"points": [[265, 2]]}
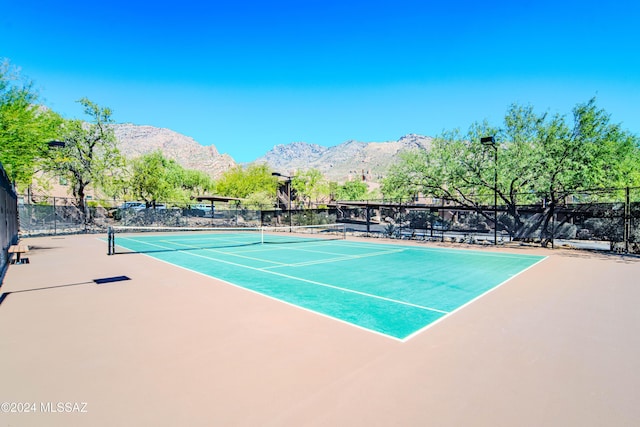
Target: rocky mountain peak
{"points": [[135, 140], [413, 140], [349, 160], [296, 150]]}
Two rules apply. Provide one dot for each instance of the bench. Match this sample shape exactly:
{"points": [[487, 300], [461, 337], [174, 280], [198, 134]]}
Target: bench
{"points": [[18, 250]]}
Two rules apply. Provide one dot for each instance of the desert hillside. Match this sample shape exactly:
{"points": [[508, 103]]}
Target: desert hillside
{"points": [[349, 160], [343, 162], [135, 141]]}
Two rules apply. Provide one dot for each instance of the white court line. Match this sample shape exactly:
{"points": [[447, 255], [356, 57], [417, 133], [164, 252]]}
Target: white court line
{"points": [[338, 259], [365, 245], [281, 301], [278, 264], [407, 338], [269, 247], [241, 255], [193, 240], [173, 243], [457, 251], [294, 246], [313, 282], [300, 264]]}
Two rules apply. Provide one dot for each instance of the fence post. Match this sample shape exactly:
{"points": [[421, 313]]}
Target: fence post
{"points": [[86, 214], [627, 220], [368, 219], [553, 228], [400, 217], [442, 220], [55, 218]]}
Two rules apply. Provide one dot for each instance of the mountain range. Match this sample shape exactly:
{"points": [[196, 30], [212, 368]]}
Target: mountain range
{"points": [[135, 140], [343, 162]]}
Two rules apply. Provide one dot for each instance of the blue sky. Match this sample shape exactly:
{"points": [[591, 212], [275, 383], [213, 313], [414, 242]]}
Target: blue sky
{"points": [[247, 75]]}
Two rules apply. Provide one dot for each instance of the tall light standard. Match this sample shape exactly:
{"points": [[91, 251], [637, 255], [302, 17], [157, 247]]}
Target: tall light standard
{"points": [[288, 182], [56, 145], [489, 141]]}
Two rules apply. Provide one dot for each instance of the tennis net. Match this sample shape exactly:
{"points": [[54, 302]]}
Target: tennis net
{"points": [[127, 239]]}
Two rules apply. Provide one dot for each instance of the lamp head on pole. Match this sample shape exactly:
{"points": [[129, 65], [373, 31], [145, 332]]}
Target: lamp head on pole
{"points": [[281, 175], [488, 140], [56, 144]]}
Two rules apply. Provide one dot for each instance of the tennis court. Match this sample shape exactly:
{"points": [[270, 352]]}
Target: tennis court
{"points": [[555, 346], [394, 290]]}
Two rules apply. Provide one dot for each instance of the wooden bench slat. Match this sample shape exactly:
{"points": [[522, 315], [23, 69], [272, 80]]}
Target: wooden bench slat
{"points": [[21, 248]]}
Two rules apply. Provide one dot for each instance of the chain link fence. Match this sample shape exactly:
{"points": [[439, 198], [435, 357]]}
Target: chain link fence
{"points": [[45, 215], [8, 219], [607, 220]]}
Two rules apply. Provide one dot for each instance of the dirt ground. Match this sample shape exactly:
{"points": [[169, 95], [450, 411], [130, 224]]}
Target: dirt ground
{"points": [[559, 345]]}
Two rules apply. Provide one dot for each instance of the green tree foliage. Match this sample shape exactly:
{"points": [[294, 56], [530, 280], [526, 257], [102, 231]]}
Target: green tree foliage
{"points": [[351, 190], [150, 178], [589, 153], [196, 182], [155, 178], [540, 158], [115, 184], [261, 200], [242, 182], [310, 186], [25, 127], [90, 152]]}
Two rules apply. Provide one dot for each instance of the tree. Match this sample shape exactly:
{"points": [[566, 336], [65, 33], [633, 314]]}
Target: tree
{"points": [[310, 186], [155, 178], [116, 184], [242, 182], [260, 200], [25, 127], [540, 157], [90, 152], [351, 190], [197, 182], [589, 153], [149, 178]]}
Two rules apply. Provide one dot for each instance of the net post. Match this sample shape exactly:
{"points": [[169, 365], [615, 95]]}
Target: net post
{"points": [[262, 235], [110, 241]]}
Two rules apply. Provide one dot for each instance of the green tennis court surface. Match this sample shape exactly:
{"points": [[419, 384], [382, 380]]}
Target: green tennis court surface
{"points": [[393, 290]]}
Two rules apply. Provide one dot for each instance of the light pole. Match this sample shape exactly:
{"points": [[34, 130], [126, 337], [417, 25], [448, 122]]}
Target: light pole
{"points": [[489, 141], [56, 145], [288, 182]]}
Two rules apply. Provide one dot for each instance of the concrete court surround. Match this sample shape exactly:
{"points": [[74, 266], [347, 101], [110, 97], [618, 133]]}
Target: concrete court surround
{"points": [[556, 346]]}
